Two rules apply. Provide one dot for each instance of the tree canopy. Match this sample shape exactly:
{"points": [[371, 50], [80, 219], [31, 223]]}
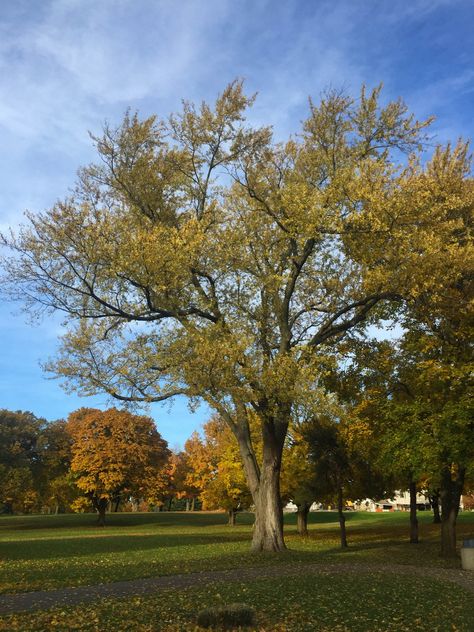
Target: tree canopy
{"points": [[113, 453]]}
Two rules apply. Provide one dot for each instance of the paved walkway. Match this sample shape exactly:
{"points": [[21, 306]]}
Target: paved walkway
{"points": [[44, 599]]}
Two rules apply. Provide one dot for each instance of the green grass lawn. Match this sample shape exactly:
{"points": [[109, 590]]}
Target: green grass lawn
{"points": [[41, 552]]}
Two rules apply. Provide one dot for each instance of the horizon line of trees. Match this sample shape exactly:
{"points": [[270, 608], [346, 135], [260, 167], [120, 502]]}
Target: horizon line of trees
{"points": [[114, 460]]}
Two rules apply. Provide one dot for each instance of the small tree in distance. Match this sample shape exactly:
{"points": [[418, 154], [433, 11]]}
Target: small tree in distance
{"points": [[115, 453]]}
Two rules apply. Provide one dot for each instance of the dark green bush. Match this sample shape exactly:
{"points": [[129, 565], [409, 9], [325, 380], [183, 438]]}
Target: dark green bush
{"points": [[227, 617]]}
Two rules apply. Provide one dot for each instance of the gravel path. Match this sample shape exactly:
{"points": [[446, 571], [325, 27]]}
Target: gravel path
{"points": [[42, 600]]}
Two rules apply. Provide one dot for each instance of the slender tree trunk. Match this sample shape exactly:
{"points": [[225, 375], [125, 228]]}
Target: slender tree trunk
{"points": [[342, 518], [187, 504], [170, 502], [450, 494], [302, 518], [264, 482], [231, 513], [101, 507], [434, 502], [193, 503], [413, 516], [117, 504]]}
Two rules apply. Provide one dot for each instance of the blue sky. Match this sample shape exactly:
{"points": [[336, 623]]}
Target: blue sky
{"points": [[66, 66]]}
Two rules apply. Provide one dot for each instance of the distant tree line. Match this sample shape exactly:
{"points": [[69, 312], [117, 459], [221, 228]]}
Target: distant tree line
{"points": [[114, 460]]}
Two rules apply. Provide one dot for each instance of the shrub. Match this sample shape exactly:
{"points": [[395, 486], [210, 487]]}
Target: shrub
{"points": [[227, 617]]}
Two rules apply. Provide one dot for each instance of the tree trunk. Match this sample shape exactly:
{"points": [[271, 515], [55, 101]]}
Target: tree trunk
{"points": [[342, 518], [193, 503], [187, 504], [434, 502], [302, 518], [413, 517], [450, 494], [101, 507], [117, 504], [268, 527], [231, 513], [264, 482]]}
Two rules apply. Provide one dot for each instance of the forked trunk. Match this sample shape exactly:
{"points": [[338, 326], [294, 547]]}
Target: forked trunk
{"points": [[342, 518], [450, 494], [413, 516], [231, 514], [302, 518]]}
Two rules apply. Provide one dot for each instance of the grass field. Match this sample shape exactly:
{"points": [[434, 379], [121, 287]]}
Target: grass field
{"points": [[46, 552]]}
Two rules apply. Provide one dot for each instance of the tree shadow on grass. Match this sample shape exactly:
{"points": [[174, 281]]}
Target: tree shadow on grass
{"points": [[143, 519], [48, 548]]}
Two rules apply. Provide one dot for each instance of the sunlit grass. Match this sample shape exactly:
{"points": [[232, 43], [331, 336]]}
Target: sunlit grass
{"points": [[42, 552]]}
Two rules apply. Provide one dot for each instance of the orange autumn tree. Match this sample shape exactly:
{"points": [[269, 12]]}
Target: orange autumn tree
{"points": [[193, 471], [115, 453]]}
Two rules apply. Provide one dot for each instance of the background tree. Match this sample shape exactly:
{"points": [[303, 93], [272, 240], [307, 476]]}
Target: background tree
{"points": [[196, 469], [415, 399], [53, 480], [114, 453], [298, 477], [19, 460], [173, 280], [169, 482], [226, 487]]}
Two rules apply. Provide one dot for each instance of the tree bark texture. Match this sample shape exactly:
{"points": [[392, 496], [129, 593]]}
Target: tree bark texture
{"points": [[413, 516], [264, 483], [231, 515], [450, 494]]}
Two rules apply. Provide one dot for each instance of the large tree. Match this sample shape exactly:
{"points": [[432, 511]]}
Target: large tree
{"points": [[201, 257]]}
